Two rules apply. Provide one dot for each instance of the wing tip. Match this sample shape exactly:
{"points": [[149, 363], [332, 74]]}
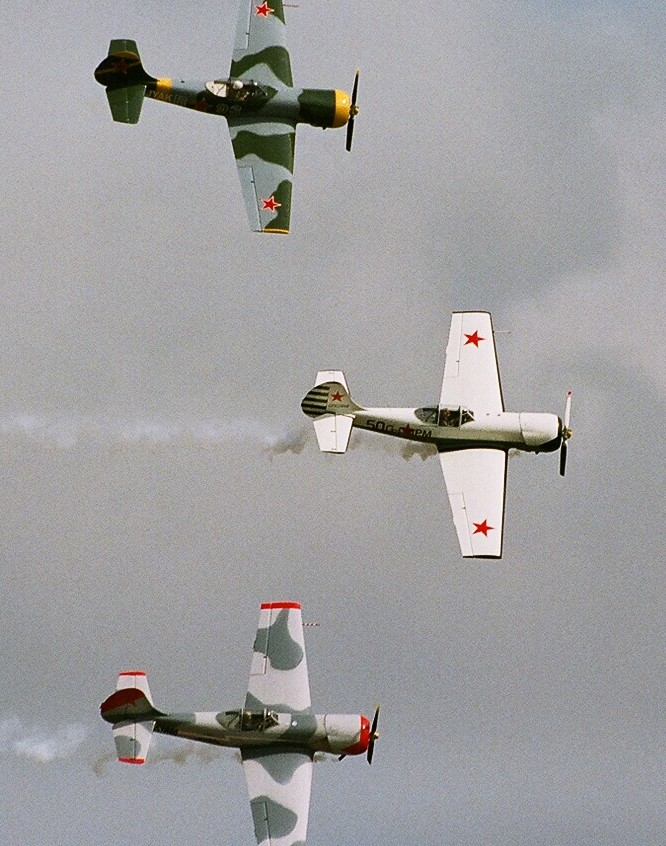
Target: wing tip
{"points": [[268, 605], [270, 231], [493, 557]]}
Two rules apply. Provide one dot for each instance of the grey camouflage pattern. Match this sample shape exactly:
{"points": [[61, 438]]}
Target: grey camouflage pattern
{"points": [[277, 742]]}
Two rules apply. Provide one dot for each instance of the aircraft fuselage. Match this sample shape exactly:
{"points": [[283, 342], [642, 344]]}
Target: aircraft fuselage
{"points": [[527, 431], [332, 733], [233, 98]]}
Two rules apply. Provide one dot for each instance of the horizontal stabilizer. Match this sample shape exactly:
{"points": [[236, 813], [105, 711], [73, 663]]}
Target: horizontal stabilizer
{"points": [[132, 742], [331, 376], [333, 432], [125, 103]]}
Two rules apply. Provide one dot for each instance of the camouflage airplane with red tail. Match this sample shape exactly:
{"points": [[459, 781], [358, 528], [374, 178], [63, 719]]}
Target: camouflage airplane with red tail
{"points": [[276, 731]]}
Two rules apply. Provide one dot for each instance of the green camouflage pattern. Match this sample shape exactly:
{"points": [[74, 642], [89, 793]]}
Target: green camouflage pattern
{"points": [[259, 101]]}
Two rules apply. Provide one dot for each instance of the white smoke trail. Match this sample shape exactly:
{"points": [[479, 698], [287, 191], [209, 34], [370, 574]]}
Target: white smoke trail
{"points": [[69, 434], [40, 745]]}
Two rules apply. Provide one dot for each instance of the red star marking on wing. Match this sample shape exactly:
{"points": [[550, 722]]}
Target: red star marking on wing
{"points": [[336, 397], [473, 339], [121, 66], [270, 204], [482, 529], [264, 10]]}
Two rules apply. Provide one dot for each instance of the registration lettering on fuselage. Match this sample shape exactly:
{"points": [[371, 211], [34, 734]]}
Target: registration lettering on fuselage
{"points": [[404, 430]]}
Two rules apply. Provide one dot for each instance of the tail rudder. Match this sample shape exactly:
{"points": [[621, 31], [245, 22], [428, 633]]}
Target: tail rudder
{"points": [[122, 73], [330, 395], [131, 712], [332, 408]]}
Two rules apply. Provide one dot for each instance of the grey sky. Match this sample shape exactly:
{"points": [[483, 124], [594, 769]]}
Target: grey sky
{"points": [[508, 156]]}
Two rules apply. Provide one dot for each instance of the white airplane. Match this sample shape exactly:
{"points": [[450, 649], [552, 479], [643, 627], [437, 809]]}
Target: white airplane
{"points": [[470, 429], [276, 731]]}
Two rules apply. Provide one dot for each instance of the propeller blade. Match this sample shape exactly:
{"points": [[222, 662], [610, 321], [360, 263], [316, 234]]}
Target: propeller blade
{"points": [[373, 735], [566, 434], [353, 111], [350, 134], [567, 411], [341, 757], [355, 88]]}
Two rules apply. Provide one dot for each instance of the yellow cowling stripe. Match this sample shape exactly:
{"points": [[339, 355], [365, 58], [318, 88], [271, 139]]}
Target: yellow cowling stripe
{"points": [[164, 85], [342, 107]]}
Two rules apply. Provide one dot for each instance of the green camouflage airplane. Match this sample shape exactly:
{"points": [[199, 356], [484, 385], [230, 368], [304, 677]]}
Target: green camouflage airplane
{"points": [[259, 101]]}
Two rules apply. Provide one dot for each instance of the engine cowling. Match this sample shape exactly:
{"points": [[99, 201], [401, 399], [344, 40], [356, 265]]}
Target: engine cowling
{"points": [[537, 428], [320, 107], [347, 734]]}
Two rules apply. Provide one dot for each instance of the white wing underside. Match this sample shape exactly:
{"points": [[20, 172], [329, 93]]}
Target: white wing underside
{"points": [[279, 672], [475, 482], [471, 374], [279, 786]]}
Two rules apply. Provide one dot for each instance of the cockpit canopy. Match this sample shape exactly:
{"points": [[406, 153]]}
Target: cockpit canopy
{"points": [[238, 90], [252, 720], [444, 416]]}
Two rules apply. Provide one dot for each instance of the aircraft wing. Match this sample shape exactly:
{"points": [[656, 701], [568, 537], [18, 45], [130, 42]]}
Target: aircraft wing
{"points": [[279, 784], [279, 672], [260, 51], [265, 158], [476, 483], [471, 374]]}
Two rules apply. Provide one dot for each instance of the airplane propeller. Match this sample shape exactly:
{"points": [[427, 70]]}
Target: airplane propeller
{"points": [[566, 434], [353, 111], [373, 735]]}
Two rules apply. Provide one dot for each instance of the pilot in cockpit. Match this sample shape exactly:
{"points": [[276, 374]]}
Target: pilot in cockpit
{"points": [[449, 417], [232, 89]]}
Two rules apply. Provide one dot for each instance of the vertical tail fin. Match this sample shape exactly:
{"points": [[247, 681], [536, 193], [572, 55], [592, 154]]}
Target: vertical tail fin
{"points": [[125, 80], [131, 712]]}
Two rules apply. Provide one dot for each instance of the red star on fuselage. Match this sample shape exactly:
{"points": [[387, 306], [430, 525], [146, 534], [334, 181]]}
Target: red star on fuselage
{"points": [[473, 339], [482, 528], [270, 204], [264, 10], [336, 397], [407, 429]]}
